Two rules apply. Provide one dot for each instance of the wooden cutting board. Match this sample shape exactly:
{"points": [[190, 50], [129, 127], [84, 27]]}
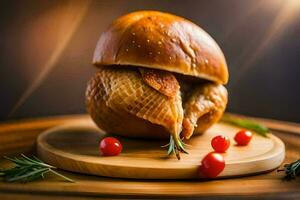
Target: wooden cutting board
{"points": [[74, 147]]}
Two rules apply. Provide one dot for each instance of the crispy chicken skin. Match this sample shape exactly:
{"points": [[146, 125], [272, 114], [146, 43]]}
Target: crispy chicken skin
{"points": [[162, 81], [120, 102], [148, 103]]}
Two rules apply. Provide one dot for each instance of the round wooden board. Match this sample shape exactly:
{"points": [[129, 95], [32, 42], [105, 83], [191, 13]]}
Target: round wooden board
{"points": [[75, 148]]}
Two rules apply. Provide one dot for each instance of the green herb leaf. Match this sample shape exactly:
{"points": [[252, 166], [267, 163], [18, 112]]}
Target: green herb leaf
{"points": [[173, 148], [292, 170], [28, 169], [247, 124]]}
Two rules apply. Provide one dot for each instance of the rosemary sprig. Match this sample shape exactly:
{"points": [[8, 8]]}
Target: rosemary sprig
{"points": [[28, 169], [291, 170], [176, 149], [247, 124]]}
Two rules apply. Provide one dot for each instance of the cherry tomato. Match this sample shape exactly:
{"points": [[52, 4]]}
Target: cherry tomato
{"points": [[220, 143], [243, 137], [110, 146], [212, 165]]}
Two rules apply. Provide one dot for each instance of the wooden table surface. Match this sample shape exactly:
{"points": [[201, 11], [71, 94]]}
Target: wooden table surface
{"points": [[19, 137]]}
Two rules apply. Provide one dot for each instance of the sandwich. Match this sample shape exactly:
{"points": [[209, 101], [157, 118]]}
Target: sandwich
{"points": [[159, 76]]}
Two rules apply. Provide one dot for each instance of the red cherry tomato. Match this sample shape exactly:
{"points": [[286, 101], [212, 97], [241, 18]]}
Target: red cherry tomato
{"points": [[243, 137], [220, 143], [212, 165], [110, 146]]}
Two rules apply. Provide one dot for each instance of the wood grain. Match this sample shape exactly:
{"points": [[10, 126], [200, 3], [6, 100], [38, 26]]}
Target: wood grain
{"points": [[20, 136], [74, 147], [265, 186]]}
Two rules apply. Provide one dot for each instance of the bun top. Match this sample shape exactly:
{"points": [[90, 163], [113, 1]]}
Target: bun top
{"points": [[161, 41]]}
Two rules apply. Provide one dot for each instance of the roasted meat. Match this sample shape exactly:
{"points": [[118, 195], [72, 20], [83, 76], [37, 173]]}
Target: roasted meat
{"points": [[148, 104]]}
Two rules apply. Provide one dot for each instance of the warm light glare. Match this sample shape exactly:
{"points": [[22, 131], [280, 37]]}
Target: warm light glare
{"points": [[72, 14], [288, 11]]}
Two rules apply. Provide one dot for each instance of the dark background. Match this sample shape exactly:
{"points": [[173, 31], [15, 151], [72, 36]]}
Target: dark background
{"points": [[50, 44]]}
